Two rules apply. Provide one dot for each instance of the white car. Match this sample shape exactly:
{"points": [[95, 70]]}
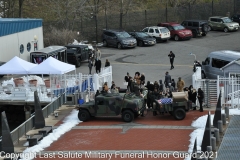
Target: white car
{"points": [[160, 33]]}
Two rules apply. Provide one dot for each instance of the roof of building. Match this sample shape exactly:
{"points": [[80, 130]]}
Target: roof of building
{"points": [[235, 61], [14, 25]]}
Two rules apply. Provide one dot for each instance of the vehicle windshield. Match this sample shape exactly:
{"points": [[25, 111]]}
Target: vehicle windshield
{"points": [[123, 35], [178, 27], [227, 20], [164, 30], [142, 34]]}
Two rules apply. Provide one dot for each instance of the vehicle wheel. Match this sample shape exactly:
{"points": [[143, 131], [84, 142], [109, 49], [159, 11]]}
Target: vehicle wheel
{"points": [[140, 43], [171, 113], [179, 114], [119, 46], [205, 28], [127, 116], [105, 43], [204, 34], [225, 29], [210, 28], [83, 115], [78, 63], [176, 38]]}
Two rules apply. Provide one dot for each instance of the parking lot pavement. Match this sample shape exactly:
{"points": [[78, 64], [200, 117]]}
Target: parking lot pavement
{"points": [[154, 62]]}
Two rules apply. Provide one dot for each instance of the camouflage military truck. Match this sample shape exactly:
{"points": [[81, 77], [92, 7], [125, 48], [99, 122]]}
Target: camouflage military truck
{"points": [[177, 108], [129, 106]]}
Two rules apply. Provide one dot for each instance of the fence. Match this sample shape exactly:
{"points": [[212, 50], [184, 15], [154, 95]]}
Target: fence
{"points": [[229, 87], [29, 124], [137, 20]]}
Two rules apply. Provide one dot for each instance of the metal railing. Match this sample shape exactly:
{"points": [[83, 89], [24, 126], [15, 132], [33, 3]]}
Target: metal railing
{"points": [[29, 123]]}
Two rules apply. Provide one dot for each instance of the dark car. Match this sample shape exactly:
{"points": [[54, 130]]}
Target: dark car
{"points": [[1, 63], [236, 18], [177, 30], [143, 39], [77, 53], [198, 27], [119, 39]]}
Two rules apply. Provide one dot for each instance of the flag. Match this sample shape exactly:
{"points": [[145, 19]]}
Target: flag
{"points": [[165, 101]]}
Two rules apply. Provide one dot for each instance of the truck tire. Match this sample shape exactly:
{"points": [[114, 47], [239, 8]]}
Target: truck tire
{"points": [[127, 116], [179, 114], [83, 115]]}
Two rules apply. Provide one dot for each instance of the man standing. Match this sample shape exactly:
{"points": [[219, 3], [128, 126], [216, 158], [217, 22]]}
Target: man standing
{"points": [[98, 65], [200, 98], [171, 56], [180, 84], [167, 80], [127, 79]]}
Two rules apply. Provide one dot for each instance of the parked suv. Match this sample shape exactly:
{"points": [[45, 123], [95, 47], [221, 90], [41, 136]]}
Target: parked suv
{"points": [[222, 23], [160, 33], [198, 27], [77, 53], [119, 39], [236, 18], [177, 31]]}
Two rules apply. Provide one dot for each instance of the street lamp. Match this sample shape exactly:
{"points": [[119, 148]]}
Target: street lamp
{"points": [[193, 55]]}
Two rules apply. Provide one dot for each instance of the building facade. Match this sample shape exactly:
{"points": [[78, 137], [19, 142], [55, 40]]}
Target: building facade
{"points": [[19, 37]]}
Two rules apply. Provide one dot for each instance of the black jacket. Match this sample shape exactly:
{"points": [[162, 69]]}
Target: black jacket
{"points": [[200, 95], [167, 79]]}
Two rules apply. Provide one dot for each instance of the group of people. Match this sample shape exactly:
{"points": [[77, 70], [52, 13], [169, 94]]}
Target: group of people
{"points": [[113, 89], [95, 60], [193, 95]]}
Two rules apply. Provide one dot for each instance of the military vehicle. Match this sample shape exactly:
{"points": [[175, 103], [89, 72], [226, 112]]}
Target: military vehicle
{"points": [[177, 108], [128, 105]]}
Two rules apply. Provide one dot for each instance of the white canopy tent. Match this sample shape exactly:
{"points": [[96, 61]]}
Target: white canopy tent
{"points": [[16, 66], [52, 66]]}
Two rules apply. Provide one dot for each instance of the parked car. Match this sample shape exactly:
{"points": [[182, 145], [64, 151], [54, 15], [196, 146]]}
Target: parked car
{"points": [[119, 39], [1, 63], [198, 27], [143, 39], [77, 53], [222, 23], [162, 34], [177, 31], [236, 18]]}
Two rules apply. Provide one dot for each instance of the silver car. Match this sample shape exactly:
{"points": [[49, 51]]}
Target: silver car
{"points": [[222, 23]]}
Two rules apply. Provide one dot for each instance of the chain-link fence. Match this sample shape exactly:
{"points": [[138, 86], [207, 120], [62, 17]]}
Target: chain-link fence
{"points": [[140, 19]]}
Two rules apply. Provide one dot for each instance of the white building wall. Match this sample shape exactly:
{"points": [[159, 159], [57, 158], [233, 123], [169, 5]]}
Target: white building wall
{"points": [[10, 44]]}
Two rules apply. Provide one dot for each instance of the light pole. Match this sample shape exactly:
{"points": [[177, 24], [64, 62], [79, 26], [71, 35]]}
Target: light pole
{"points": [[193, 55]]}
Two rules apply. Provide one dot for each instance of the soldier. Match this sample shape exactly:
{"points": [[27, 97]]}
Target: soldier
{"points": [[144, 95]]}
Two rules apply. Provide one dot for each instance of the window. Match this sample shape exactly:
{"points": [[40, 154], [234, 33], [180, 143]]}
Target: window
{"points": [[184, 23], [170, 28], [156, 31], [100, 102], [164, 30], [29, 47], [207, 61], [195, 24], [213, 19], [21, 48], [218, 63], [145, 30], [151, 30], [190, 24]]}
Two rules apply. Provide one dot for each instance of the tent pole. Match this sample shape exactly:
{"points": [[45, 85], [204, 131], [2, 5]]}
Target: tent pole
{"points": [[65, 87]]}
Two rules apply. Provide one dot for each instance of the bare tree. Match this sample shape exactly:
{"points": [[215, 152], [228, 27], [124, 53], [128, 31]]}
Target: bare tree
{"points": [[7, 8], [20, 6]]}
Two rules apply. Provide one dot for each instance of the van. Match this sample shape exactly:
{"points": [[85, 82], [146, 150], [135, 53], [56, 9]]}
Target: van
{"points": [[212, 65], [58, 52], [118, 38]]}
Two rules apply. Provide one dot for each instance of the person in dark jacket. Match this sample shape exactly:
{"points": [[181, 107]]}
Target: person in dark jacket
{"points": [[90, 64], [107, 63], [194, 98], [167, 80], [142, 79], [156, 85], [171, 56], [200, 98], [98, 65], [160, 86], [127, 79]]}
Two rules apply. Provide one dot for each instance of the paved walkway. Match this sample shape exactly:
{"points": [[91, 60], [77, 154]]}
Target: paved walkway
{"points": [[150, 137]]}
